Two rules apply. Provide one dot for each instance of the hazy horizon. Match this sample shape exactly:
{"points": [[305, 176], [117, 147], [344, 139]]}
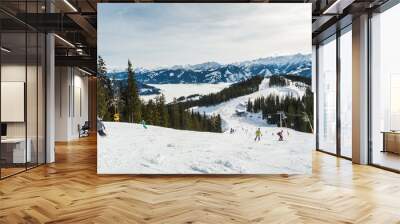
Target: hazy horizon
{"points": [[183, 65]]}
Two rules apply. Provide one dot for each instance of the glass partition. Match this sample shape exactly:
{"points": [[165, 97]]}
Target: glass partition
{"points": [[31, 98], [385, 89], [13, 110], [41, 97], [327, 96], [22, 77]]}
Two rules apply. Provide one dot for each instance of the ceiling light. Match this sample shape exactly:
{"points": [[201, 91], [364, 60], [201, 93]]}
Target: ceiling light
{"points": [[5, 50], [70, 5], [79, 51], [64, 40]]}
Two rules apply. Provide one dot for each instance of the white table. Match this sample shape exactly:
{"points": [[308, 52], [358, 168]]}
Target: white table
{"points": [[18, 149]]}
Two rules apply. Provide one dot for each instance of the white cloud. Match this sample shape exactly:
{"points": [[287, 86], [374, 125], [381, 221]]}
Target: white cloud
{"points": [[154, 35]]}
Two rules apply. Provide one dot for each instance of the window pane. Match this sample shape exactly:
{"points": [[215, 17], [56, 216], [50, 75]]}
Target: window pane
{"points": [[385, 84], [346, 93], [41, 98], [13, 86], [31, 98], [327, 97], [23, 89]]}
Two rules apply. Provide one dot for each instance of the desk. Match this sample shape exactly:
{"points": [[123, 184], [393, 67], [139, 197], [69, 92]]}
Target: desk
{"points": [[391, 141], [13, 150]]}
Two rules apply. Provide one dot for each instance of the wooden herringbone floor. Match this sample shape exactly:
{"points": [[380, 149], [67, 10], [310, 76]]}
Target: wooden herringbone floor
{"points": [[70, 191]]}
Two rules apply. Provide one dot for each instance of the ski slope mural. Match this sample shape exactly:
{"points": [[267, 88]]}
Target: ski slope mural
{"points": [[209, 93]]}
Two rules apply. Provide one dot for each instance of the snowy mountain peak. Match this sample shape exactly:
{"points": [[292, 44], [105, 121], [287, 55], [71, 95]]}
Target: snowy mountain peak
{"points": [[214, 72], [205, 66]]}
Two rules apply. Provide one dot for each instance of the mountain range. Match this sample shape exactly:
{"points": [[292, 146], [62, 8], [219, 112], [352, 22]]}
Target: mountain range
{"points": [[213, 72]]}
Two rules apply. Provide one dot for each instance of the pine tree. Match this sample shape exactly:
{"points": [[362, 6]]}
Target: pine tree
{"points": [[163, 111], [133, 102], [104, 92], [174, 115], [299, 111], [218, 124], [249, 106], [150, 111], [157, 111]]}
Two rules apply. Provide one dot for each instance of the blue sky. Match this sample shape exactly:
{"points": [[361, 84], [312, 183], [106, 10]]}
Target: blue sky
{"points": [[157, 35]]}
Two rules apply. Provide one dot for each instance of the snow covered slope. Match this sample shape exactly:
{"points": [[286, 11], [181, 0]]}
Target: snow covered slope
{"points": [[227, 110], [131, 149], [172, 91], [294, 89]]}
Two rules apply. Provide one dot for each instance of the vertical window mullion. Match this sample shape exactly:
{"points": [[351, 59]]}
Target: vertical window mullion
{"points": [[317, 96], [0, 92], [26, 86], [369, 78], [37, 90], [338, 80]]}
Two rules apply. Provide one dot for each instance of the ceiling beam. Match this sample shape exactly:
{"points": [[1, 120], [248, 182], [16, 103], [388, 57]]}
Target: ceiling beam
{"points": [[84, 24], [76, 61], [337, 7]]}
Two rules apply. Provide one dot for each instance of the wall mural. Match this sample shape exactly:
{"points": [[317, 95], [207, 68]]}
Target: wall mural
{"points": [[204, 89]]}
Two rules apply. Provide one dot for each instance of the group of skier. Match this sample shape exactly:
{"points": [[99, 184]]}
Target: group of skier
{"points": [[279, 133], [102, 130]]}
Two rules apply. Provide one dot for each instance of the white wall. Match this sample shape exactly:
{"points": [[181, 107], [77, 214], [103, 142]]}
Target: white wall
{"points": [[80, 105], [61, 103], [13, 101], [71, 102]]}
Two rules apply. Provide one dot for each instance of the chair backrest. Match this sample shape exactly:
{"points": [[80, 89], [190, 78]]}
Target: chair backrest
{"points": [[85, 126]]}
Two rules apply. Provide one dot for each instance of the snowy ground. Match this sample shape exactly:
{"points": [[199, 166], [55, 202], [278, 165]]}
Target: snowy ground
{"points": [[249, 121], [131, 149], [172, 91]]}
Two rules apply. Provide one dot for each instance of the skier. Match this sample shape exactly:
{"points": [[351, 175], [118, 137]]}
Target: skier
{"points": [[101, 129], [144, 124], [116, 117], [280, 134], [258, 135]]}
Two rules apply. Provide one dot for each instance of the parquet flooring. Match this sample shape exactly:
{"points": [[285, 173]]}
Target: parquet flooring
{"points": [[70, 191]]}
